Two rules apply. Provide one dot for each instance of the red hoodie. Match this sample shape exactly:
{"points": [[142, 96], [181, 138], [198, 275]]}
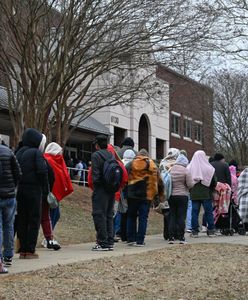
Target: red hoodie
{"points": [[62, 184]]}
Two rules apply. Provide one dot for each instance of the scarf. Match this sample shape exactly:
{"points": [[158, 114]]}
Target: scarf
{"points": [[200, 169]]}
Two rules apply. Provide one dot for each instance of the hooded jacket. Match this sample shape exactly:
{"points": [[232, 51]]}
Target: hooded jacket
{"points": [[32, 162], [10, 173]]}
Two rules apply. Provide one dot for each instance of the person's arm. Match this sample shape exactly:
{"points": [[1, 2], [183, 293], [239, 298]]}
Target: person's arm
{"points": [[96, 168], [189, 181], [213, 183], [228, 176], [15, 168]]}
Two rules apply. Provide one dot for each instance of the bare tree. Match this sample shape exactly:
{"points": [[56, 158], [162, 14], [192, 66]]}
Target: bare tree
{"points": [[65, 59], [231, 114]]}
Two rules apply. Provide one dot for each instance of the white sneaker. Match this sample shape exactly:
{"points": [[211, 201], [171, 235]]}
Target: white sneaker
{"points": [[44, 243], [204, 229]]}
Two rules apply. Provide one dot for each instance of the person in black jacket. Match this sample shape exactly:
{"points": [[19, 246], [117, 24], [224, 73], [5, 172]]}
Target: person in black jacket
{"points": [[9, 175], [33, 184], [102, 200], [222, 171]]}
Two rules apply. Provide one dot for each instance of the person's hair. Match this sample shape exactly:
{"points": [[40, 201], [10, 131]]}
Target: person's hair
{"points": [[102, 141], [143, 152], [128, 141], [218, 156], [234, 163]]}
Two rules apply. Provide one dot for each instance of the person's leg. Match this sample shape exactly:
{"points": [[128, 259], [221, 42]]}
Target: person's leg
{"points": [[172, 218], [143, 212], [22, 229], [123, 226], [196, 205], [182, 205], [46, 221], [189, 215], [109, 219], [99, 209], [54, 216], [8, 227], [34, 219], [208, 210], [132, 220]]}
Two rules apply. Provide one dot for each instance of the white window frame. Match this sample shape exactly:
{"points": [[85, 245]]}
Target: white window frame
{"points": [[178, 116], [198, 124], [187, 120]]}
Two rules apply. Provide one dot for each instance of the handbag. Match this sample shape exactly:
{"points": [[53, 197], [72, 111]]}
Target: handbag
{"points": [[52, 200]]}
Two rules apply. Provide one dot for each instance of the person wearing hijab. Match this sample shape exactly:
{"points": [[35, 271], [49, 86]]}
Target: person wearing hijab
{"points": [[178, 201], [62, 186], [33, 184], [203, 175], [170, 159]]}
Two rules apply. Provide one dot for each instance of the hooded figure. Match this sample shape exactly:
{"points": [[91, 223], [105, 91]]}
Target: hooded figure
{"points": [[169, 160], [32, 185]]}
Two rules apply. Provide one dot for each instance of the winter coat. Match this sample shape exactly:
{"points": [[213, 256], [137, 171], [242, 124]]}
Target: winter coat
{"points": [[202, 192], [143, 178], [222, 172], [32, 163], [10, 173]]}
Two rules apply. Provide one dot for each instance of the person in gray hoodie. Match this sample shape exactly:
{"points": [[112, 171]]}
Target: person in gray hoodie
{"points": [[178, 201]]}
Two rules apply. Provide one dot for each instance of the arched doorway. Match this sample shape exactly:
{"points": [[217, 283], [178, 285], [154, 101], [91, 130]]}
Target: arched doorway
{"points": [[144, 130]]}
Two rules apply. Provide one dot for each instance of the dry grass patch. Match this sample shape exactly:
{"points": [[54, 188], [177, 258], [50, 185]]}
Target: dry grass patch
{"points": [[179, 272]]}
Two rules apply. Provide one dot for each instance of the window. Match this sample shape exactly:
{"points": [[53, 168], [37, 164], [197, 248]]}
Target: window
{"points": [[187, 128], [198, 132], [175, 124]]}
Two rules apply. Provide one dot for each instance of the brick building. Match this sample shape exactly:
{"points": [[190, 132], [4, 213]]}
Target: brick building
{"points": [[191, 112]]}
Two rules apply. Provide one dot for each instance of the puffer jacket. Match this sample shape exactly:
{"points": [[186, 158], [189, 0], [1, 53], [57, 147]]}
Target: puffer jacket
{"points": [[10, 173], [32, 162]]}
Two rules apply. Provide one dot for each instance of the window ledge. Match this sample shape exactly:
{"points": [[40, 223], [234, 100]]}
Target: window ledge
{"points": [[187, 139], [175, 135], [198, 142]]}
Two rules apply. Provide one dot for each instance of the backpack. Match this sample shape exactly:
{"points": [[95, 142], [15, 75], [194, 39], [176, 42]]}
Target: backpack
{"points": [[166, 177], [112, 174]]}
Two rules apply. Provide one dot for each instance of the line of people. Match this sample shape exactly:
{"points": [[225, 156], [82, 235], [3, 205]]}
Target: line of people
{"points": [[26, 178]]}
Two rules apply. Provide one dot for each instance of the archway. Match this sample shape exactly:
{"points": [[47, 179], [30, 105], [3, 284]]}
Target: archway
{"points": [[144, 130]]}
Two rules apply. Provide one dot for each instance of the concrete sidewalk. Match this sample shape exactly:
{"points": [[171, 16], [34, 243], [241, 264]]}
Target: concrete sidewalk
{"points": [[82, 252]]}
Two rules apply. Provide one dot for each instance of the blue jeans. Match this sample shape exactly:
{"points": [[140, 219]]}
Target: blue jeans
{"points": [[7, 218], [55, 216], [189, 215], [117, 223], [137, 209], [208, 211]]}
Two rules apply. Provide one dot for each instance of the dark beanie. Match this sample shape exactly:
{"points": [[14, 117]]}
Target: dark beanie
{"points": [[128, 141], [218, 156]]}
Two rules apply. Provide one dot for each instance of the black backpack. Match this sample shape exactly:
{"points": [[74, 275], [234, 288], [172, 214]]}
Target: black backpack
{"points": [[112, 174]]}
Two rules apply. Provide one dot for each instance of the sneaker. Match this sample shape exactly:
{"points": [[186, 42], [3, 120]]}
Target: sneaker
{"points": [[111, 247], [194, 234], [98, 247], [30, 255], [182, 241], [7, 261], [129, 243], [51, 245], [139, 244], [3, 270], [171, 241], [204, 229], [211, 233], [188, 230], [44, 243]]}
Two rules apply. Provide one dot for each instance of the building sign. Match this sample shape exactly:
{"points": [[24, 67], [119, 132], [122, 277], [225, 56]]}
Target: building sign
{"points": [[114, 120]]}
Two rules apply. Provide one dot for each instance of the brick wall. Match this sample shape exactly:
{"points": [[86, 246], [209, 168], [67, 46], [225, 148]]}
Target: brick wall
{"points": [[192, 100]]}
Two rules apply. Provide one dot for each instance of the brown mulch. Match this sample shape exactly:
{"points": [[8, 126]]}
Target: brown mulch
{"points": [[186, 272]]}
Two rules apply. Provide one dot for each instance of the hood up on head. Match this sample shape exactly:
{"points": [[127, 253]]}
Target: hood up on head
{"points": [[32, 138], [53, 148]]}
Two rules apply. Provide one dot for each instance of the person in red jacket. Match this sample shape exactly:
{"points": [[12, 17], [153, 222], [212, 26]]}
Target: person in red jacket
{"points": [[61, 188]]}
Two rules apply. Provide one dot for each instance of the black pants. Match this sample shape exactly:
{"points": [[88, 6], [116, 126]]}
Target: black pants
{"points": [[29, 217], [123, 233], [102, 212], [178, 210]]}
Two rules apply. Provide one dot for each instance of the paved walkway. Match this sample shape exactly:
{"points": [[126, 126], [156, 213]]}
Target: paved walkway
{"points": [[82, 252]]}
